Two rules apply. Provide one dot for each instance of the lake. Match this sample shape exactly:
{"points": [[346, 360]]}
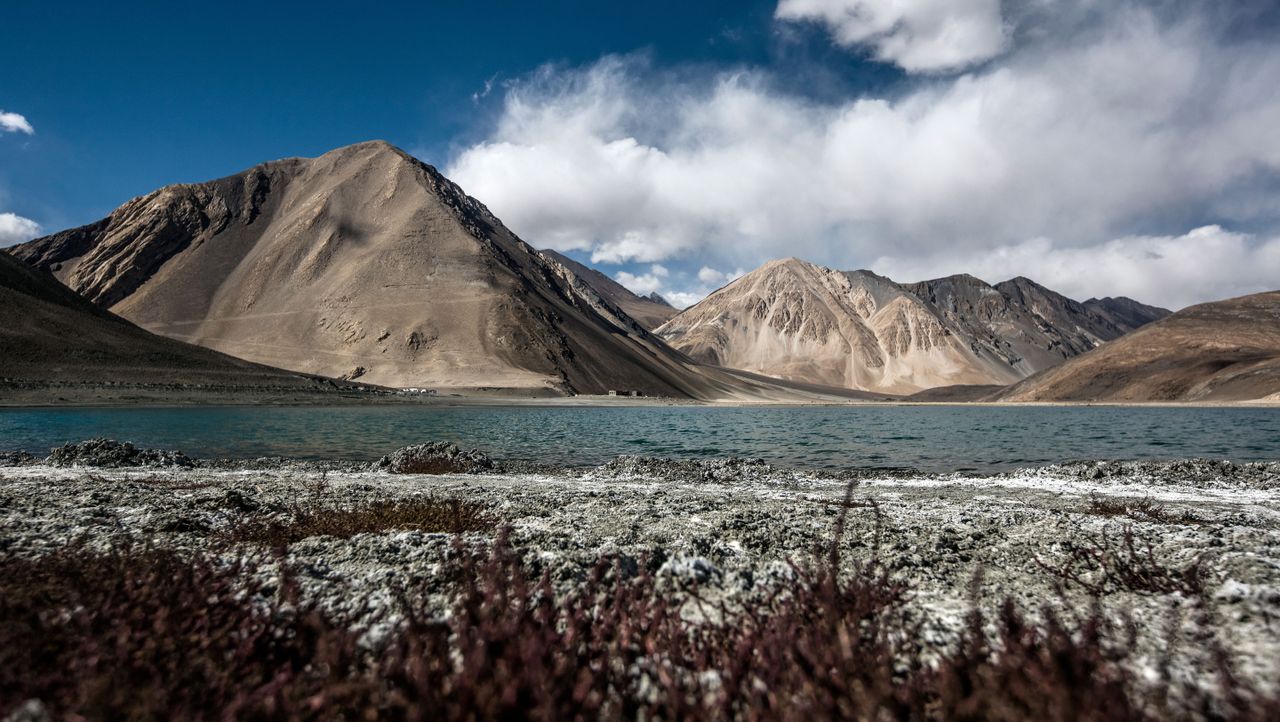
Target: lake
{"points": [[928, 438]]}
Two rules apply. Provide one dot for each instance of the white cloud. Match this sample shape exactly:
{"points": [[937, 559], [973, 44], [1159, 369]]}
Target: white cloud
{"points": [[707, 274], [14, 123], [917, 35], [683, 299], [16, 229], [678, 289], [1131, 124], [716, 278], [1171, 271], [644, 284]]}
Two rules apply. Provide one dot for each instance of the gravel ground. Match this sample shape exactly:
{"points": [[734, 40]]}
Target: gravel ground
{"points": [[734, 526]]}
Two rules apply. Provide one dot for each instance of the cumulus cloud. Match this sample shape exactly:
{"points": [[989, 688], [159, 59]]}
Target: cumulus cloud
{"points": [[16, 229], [15, 123], [1171, 271], [681, 289], [1140, 126], [917, 35], [712, 277], [684, 299], [644, 284]]}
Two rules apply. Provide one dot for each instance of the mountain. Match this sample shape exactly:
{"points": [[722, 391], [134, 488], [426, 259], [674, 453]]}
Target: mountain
{"points": [[361, 263], [657, 298], [1222, 351], [1125, 312], [800, 321], [48, 334], [651, 311], [365, 263], [1026, 324]]}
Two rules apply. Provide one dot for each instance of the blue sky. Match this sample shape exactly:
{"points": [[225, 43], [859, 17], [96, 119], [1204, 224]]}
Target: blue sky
{"points": [[1103, 148], [130, 96]]}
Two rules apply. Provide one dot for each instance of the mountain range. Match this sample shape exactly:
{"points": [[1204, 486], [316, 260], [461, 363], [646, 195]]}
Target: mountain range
{"points": [[856, 329], [365, 263]]}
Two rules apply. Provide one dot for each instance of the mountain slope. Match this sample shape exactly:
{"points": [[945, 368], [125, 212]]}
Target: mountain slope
{"points": [[50, 334], [855, 329], [363, 263], [651, 311], [1222, 351]]}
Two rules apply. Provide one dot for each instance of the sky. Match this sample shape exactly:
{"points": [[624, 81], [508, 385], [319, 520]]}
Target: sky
{"points": [[1100, 147]]}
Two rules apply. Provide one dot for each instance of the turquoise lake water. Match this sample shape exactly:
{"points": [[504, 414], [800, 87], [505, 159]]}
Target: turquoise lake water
{"points": [[928, 438]]}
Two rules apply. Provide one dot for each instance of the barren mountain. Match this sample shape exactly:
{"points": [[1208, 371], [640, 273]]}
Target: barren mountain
{"points": [[1125, 312], [1029, 326], [800, 321], [361, 263], [366, 263], [50, 334], [1222, 351], [651, 311]]}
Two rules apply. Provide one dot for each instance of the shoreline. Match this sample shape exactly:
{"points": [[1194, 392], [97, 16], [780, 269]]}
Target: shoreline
{"points": [[342, 399]]}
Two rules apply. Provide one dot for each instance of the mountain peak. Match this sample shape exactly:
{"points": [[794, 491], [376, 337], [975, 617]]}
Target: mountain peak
{"points": [[959, 279], [372, 152], [788, 262], [376, 146], [1019, 281], [365, 260], [658, 299]]}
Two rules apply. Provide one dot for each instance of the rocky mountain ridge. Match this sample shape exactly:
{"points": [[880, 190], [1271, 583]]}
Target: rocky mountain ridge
{"points": [[651, 311], [855, 329]]}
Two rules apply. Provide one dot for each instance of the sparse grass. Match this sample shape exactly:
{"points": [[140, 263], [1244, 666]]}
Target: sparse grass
{"points": [[141, 634], [1105, 565], [426, 514], [146, 635], [1144, 509]]}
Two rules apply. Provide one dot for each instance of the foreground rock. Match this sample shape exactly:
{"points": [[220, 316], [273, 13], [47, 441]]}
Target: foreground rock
{"points": [[435, 458], [110, 454]]}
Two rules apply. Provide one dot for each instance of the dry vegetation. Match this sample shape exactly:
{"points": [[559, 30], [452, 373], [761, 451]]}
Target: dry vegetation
{"points": [[1105, 565], [1142, 509], [425, 514], [142, 634]]}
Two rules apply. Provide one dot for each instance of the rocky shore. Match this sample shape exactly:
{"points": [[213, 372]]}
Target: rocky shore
{"points": [[1187, 554]]}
